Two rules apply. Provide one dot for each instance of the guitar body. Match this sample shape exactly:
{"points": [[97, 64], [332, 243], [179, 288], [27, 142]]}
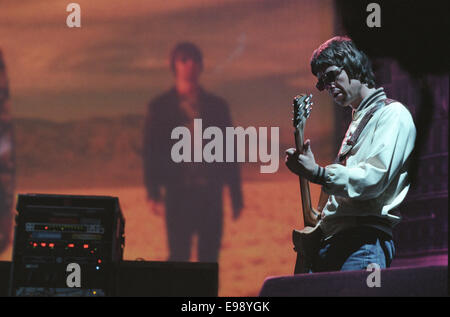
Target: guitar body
{"points": [[306, 244], [306, 241]]}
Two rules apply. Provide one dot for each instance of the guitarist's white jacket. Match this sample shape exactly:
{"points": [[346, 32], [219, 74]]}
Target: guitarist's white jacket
{"points": [[373, 180]]}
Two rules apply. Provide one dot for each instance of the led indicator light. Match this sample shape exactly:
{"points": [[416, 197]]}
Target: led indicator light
{"points": [[51, 245], [85, 246], [99, 261], [71, 245], [43, 244]]}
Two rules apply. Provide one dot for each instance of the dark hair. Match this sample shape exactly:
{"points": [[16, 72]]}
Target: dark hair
{"points": [[186, 49], [340, 51]]}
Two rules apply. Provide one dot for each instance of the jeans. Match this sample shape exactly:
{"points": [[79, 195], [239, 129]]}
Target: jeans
{"points": [[355, 249]]}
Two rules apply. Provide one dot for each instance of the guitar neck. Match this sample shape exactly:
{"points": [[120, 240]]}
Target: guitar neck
{"points": [[310, 217]]}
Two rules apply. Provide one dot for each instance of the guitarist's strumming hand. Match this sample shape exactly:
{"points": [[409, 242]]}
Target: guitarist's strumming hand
{"points": [[303, 164]]}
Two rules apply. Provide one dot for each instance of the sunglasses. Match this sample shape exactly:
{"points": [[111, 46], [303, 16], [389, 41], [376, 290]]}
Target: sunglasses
{"points": [[328, 78]]}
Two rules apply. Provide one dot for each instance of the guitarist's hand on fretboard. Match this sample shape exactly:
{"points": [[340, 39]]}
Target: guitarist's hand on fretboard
{"points": [[302, 164]]}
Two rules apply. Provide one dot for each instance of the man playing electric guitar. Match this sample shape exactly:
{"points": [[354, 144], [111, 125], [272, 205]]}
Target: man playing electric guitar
{"points": [[369, 179]]}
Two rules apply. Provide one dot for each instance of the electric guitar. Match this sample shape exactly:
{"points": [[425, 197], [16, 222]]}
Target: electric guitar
{"points": [[306, 241]]}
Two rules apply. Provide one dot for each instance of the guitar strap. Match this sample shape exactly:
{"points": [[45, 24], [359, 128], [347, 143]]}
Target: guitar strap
{"points": [[347, 146]]}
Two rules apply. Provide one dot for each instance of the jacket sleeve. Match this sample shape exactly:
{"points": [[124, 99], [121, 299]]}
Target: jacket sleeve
{"points": [[150, 155], [392, 143]]}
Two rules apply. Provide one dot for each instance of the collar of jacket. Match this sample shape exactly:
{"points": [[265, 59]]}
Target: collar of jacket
{"points": [[368, 103]]}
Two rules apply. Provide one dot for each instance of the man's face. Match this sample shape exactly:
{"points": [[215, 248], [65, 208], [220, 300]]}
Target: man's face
{"points": [[343, 90], [187, 68]]}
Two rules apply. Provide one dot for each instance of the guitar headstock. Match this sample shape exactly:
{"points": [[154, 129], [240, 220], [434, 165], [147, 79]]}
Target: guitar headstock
{"points": [[302, 108]]}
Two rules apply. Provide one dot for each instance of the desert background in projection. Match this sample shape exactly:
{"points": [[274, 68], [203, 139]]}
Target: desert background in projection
{"points": [[79, 97]]}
